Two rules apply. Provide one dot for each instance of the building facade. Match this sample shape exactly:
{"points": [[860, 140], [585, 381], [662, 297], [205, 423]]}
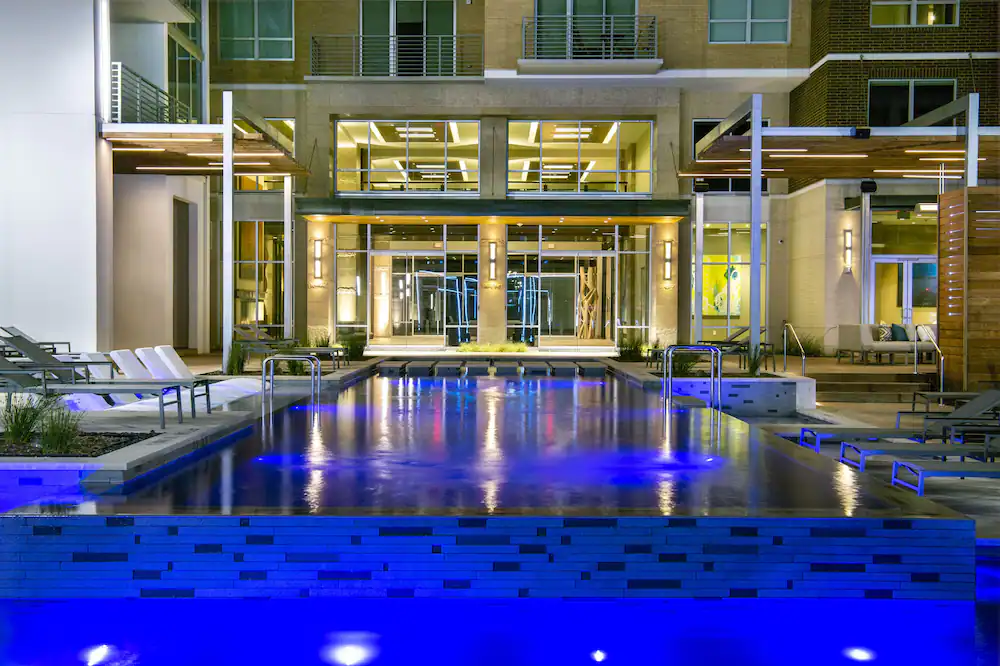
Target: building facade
{"points": [[504, 171]]}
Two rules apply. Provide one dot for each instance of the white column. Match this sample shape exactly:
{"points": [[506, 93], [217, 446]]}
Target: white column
{"points": [[699, 260], [756, 204], [227, 225], [288, 216], [972, 142], [866, 257]]}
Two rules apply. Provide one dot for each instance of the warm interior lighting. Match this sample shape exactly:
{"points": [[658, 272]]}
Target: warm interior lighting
{"points": [[668, 259], [453, 126], [946, 159], [929, 177], [465, 170], [927, 207], [138, 150], [532, 131], [235, 155], [749, 169], [723, 161], [825, 156], [242, 164], [920, 151], [848, 250], [587, 171], [524, 170], [375, 132], [399, 166], [611, 132], [777, 150], [493, 260], [318, 259], [178, 168], [242, 131], [915, 171], [160, 139]]}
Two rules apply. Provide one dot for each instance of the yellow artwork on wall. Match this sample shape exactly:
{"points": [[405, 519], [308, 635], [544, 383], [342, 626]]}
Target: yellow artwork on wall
{"points": [[720, 287]]}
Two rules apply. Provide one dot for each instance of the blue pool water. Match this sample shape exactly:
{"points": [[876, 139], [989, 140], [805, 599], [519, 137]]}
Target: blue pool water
{"points": [[499, 446], [521, 632]]}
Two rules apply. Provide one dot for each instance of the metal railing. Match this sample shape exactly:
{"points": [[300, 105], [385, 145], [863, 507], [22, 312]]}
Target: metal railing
{"points": [[601, 37], [784, 344], [138, 100], [916, 354], [396, 55], [267, 376], [715, 374]]}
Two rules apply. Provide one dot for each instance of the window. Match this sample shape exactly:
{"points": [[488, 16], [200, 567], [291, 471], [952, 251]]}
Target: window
{"points": [[914, 13], [699, 129], [573, 157], [394, 156], [256, 29], [725, 283], [894, 103], [283, 126], [748, 21]]}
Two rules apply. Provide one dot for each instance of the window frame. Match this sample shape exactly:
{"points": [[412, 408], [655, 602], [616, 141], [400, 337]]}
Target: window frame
{"points": [[257, 39], [766, 122], [748, 22], [912, 84], [913, 5]]}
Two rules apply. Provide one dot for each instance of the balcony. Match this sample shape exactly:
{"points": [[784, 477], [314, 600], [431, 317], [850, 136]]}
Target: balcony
{"points": [[390, 56], [138, 100], [601, 44]]}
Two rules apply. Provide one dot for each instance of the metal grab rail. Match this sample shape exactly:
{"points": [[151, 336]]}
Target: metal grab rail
{"points": [[784, 344], [396, 55], [315, 376], [597, 37], [930, 336], [135, 99], [714, 388]]}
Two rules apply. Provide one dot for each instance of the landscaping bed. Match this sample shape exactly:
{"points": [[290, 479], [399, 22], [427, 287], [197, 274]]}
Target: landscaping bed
{"points": [[85, 445]]}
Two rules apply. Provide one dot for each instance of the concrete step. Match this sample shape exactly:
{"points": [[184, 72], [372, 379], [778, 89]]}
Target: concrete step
{"points": [[863, 396], [901, 376], [874, 387]]}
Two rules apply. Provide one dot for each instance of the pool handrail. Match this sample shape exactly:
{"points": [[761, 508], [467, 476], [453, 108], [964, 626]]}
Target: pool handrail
{"points": [[916, 355], [714, 389], [787, 326], [267, 393]]}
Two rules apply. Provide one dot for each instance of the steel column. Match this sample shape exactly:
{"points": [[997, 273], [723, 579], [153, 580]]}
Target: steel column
{"points": [[756, 205], [227, 226]]}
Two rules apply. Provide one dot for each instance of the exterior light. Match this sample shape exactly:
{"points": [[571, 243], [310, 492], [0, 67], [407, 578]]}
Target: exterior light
{"points": [[927, 207], [668, 259], [318, 259], [848, 250], [493, 260]]}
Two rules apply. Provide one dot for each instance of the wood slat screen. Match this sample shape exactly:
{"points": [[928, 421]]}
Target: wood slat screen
{"points": [[951, 286]]}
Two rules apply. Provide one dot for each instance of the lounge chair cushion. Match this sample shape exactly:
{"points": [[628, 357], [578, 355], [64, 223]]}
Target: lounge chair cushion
{"points": [[129, 364], [899, 333], [157, 368], [172, 360]]}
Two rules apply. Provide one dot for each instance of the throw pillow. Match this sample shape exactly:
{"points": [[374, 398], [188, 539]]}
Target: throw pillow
{"points": [[884, 333], [899, 334]]}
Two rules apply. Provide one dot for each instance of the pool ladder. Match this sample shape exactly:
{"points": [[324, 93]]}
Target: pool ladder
{"points": [[715, 375], [267, 378]]}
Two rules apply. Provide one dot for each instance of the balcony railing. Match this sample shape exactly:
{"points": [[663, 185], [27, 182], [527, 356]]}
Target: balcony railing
{"points": [[603, 37], [385, 55], [138, 100]]}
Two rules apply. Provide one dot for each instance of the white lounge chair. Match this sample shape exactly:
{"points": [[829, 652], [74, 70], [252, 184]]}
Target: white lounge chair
{"points": [[100, 371], [159, 370], [226, 390]]}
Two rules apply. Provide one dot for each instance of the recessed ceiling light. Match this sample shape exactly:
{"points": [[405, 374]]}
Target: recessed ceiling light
{"points": [[160, 139], [138, 150]]}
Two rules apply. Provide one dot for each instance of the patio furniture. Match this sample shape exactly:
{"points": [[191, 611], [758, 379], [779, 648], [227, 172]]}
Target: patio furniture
{"points": [[861, 339], [922, 470], [257, 341], [940, 396], [159, 370], [19, 379], [65, 368], [864, 450], [48, 346], [982, 407]]}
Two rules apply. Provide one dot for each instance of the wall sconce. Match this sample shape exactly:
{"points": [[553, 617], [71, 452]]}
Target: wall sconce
{"points": [[848, 250], [493, 260], [318, 259], [668, 260]]}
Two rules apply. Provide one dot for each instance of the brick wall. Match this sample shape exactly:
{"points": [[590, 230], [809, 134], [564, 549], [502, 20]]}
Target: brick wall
{"points": [[299, 556], [837, 93], [843, 26]]}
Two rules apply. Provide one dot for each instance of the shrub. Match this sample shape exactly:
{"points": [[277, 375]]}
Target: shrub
{"points": [[354, 346], [295, 367], [21, 418], [682, 365], [320, 340], [60, 430], [490, 347], [812, 345], [237, 359], [630, 348], [755, 357]]}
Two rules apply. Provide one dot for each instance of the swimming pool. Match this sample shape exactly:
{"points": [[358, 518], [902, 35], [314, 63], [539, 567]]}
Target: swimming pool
{"points": [[487, 446]]}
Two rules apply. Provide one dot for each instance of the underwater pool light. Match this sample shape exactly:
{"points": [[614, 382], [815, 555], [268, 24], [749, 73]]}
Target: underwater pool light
{"points": [[96, 655], [598, 655], [859, 654]]}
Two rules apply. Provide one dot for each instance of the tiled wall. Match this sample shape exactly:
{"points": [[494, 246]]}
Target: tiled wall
{"points": [[290, 556]]}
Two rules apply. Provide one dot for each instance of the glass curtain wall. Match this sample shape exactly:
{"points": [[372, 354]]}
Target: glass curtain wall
{"points": [[407, 156], [564, 282], [580, 157], [725, 284], [461, 283], [259, 297]]}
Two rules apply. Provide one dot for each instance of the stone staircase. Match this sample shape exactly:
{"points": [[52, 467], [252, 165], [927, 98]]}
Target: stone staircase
{"points": [[871, 386]]}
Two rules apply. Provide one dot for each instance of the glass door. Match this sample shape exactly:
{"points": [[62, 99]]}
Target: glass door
{"points": [[559, 308], [418, 299], [904, 290]]}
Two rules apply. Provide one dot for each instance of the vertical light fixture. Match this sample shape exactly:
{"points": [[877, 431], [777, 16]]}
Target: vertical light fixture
{"points": [[493, 260], [848, 250], [318, 259], [668, 260]]}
